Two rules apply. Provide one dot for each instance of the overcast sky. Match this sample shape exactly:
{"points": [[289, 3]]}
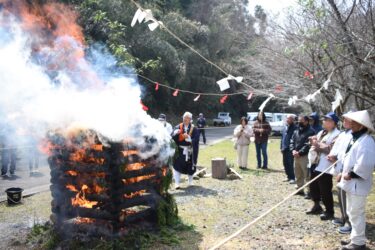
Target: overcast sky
{"points": [[273, 6]]}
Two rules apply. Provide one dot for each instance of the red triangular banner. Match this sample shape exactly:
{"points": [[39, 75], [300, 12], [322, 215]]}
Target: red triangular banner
{"points": [[144, 107], [278, 88], [156, 86], [250, 96], [175, 93], [308, 74], [223, 99]]}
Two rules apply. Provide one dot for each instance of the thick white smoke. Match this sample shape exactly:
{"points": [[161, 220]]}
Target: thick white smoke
{"points": [[32, 99]]}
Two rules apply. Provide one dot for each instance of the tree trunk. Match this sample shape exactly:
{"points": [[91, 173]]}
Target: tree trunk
{"points": [[219, 168]]}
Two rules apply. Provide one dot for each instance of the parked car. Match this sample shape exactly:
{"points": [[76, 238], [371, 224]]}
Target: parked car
{"points": [[276, 120], [252, 116], [223, 119], [278, 123]]}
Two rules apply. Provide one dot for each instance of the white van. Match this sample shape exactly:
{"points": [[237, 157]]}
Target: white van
{"points": [[276, 120], [252, 116]]}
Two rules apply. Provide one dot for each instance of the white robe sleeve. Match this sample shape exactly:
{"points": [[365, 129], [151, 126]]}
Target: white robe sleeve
{"points": [[365, 159], [338, 145]]}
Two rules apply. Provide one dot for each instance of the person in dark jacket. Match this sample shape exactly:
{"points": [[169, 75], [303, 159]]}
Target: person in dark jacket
{"points": [[262, 130], [321, 145], [8, 151], [299, 145], [288, 160], [314, 120], [201, 123], [186, 137]]}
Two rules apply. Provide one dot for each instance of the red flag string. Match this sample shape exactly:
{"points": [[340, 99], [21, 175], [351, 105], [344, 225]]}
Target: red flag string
{"points": [[308, 74], [278, 88], [144, 107], [223, 99], [175, 93], [250, 96]]}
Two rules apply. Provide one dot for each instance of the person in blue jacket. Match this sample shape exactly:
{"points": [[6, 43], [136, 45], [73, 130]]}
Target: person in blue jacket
{"points": [[288, 159], [314, 119]]}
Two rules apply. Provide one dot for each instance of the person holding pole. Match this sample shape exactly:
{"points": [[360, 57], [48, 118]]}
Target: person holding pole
{"points": [[357, 176], [336, 155], [321, 189]]}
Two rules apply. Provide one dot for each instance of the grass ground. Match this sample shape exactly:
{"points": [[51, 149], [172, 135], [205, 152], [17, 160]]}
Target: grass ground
{"points": [[216, 208]]}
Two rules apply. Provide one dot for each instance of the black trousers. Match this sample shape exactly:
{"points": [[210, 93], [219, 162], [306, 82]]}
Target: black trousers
{"points": [[203, 133], [8, 159], [321, 189], [288, 161]]}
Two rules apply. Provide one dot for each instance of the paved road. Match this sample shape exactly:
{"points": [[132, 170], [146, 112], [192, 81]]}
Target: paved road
{"points": [[215, 134], [22, 178], [40, 182]]}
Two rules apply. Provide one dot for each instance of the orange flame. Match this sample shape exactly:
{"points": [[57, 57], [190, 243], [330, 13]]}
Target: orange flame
{"points": [[135, 166], [81, 220], [46, 147], [164, 171], [71, 188], [97, 147], [80, 155], [134, 194], [80, 199], [71, 173], [125, 213], [98, 189], [137, 179], [129, 152], [56, 30]]}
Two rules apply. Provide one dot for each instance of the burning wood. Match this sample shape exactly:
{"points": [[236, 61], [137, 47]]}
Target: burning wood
{"points": [[92, 181], [80, 199]]}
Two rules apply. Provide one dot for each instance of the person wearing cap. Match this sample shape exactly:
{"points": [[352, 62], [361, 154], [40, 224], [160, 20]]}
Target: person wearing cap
{"points": [[299, 145], [321, 145], [336, 156], [186, 137], [314, 120], [163, 119], [288, 160], [242, 134], [201, 123], [357, 176]]}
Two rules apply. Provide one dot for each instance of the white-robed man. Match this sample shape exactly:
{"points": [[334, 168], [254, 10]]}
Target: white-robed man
{"points": [[336, 155], [357, 175], [186, 137]]}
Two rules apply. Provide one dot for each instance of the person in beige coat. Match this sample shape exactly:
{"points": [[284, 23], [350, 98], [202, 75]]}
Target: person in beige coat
{"points": [[242, 134]]}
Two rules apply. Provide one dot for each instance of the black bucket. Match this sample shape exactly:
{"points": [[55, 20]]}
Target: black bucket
{"points": [[14, 195]]}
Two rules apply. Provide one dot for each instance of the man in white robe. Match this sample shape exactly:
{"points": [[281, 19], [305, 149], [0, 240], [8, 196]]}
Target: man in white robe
{"points": [[357, 176], [336, 155]]}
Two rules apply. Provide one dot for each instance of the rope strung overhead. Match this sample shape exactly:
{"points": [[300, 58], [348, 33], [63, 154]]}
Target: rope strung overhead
{"points": [[143, 15]]}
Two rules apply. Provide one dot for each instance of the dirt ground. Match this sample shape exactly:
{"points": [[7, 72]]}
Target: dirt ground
{"points": [[217, 208]]}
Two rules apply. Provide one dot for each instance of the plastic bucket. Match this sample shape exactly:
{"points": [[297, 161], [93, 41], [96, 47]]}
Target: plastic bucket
{"points": [[14, 195]]}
